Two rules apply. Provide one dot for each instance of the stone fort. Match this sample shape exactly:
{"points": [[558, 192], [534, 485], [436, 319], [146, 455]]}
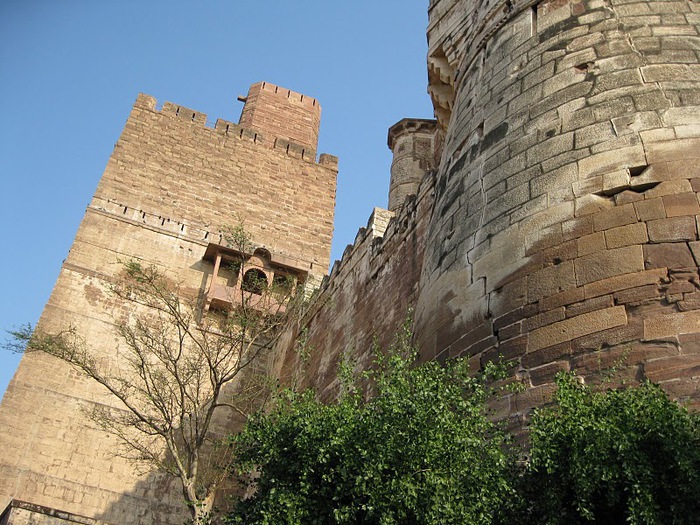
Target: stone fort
{"points": [[548, 215]]}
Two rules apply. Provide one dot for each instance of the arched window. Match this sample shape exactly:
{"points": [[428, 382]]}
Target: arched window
{"points": [[254, 281]]}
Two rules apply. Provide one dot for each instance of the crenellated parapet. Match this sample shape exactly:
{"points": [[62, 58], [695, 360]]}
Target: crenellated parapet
{"points": [[243, 132]]}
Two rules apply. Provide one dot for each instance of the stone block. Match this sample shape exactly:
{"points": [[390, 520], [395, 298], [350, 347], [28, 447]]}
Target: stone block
{"points": [[591, 204], [589, 305], [638, 294], [592, 243], [636, 122], [672, 367], [546, 355], [671, 72], [663, 326], [615, 217], [672, 255], [622, 282], [672, 229], [546, 373], [609, 263], [673, 150], [612, 160], [650, 209], [626, 235], [550, 281], [543, 319], [575, 327], [573, 295], [680, 204]]}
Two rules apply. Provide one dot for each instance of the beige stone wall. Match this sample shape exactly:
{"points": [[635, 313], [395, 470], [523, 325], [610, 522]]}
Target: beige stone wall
{"points": [[169, 186], [565, 229]]}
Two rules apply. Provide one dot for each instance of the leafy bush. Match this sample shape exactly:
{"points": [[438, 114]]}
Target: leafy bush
{"points": [[620, 456], [420, 451]]}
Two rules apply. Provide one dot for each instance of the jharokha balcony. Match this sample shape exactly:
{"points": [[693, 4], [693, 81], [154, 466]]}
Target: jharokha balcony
{"points": [[255, 280]]}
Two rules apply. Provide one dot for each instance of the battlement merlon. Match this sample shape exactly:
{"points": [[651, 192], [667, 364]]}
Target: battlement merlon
{"points": [[282, 113]]}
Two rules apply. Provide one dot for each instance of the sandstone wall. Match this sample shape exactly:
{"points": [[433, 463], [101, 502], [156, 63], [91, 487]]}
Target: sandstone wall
{"points": [[169, 186], [565, 229], [364, 301]]}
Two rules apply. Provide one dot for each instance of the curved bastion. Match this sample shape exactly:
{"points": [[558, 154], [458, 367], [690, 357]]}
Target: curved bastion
{"points": [[564, 232]]}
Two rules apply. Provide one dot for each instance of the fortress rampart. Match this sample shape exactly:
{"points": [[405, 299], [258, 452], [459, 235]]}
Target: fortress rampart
{"points": [[564, 234], [550, 215], [560, 229]]}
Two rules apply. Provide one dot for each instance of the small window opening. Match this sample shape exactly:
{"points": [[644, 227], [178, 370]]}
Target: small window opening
{"points": [[254, 281], [283, 284]]}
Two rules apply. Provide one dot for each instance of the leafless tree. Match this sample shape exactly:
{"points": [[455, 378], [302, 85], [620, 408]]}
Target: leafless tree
{"points": [[177, 367]]}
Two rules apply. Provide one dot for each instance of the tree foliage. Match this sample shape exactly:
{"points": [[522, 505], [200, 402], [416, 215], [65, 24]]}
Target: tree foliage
{"points": [[620, 456], [419, 450]]}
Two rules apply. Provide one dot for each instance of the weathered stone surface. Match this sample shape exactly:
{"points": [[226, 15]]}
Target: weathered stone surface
{"points": [[169, 186], [559, 229], [579, 326]]}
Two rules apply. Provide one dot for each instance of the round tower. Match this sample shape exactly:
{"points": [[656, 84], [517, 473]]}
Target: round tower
{"points": [[411, 141], [565, 229]]}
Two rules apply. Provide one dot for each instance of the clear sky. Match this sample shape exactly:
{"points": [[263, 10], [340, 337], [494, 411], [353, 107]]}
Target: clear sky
{"points": [[70, 71]]}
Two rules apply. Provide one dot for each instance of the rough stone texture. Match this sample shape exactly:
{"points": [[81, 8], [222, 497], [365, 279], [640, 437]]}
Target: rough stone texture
{"points": [[562, 227], [585, 206], [413, 143], [559, 228], [169, 186]]}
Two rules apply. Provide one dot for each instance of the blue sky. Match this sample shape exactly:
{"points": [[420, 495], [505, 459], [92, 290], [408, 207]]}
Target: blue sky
{"points": [[70, 71]]}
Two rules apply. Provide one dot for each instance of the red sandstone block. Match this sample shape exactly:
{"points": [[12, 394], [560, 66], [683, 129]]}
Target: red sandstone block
{"points": [[618, 216], [621, 282], [681, 204], [671, 255], [632, 331], [515, 316], [672, 229], [589, 305], [510, 331], [563, 252], [576, 327], [591, 243], [626, 235], [546, 355], [689, 344], [691, 301], [650, 209], [546, 373], [543, 319], [608, 263], [669, 187], [575, 228], [663, 326], [637, 295], [509, 297], [674, 367], [562, 299], [550, 281]]}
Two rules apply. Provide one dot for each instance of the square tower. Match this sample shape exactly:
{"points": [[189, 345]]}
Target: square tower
{"points": [[172, 182]]}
